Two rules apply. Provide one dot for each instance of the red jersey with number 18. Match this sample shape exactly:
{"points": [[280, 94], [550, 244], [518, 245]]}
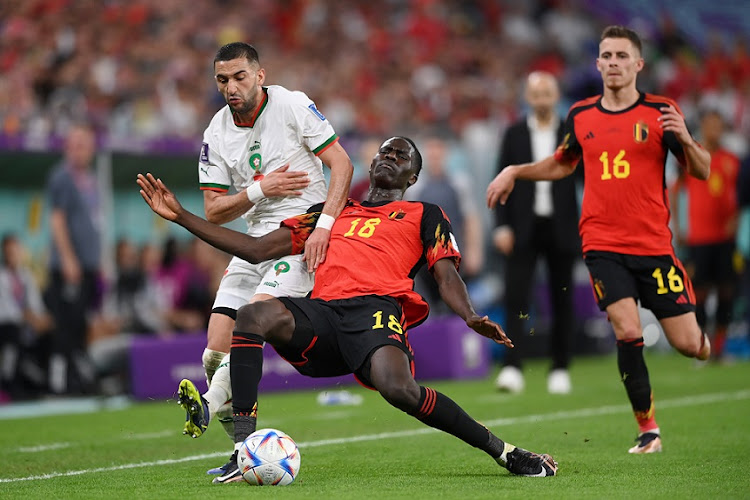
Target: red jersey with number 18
{"points": [[377, 249], [625, 205]]}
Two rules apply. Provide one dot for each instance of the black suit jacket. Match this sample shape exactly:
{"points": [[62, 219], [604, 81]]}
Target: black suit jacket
{"points": [[518, 212]]}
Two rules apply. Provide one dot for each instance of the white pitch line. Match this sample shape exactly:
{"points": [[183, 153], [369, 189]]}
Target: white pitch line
{"points": [[561, 415], [43, 447], [124, 437], [150, 435]]}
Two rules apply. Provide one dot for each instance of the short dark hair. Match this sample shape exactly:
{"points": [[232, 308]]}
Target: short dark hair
{"points": [[416, 160], [622, 32], [237, 50]]}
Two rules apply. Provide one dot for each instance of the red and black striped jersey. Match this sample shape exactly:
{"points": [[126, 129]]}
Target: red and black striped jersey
{"points": [[377, 249], [625, 205]]}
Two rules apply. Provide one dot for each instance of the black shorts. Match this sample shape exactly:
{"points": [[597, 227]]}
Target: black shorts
{"points": [[711, 264], [659, 282], [337, 337]]}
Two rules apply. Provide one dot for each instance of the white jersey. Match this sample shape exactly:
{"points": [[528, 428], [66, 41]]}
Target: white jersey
{"points": [[286, 128]]}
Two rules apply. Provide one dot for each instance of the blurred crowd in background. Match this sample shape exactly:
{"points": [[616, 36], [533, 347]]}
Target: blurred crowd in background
{"points": [[160, 290], [143, 68], [140, 71]]}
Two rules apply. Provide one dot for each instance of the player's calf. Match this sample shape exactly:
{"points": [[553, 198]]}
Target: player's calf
{"points": [[705, 348]]}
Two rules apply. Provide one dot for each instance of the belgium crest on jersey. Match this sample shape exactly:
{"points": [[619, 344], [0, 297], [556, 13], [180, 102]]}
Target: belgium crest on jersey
{"points": [[640, 132], [396, 215]]}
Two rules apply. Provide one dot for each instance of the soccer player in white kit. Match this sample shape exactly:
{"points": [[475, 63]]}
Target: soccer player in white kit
{"points": [[268, 144]]}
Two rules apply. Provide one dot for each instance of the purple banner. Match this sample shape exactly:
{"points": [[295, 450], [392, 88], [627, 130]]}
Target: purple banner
{"points": [[444, 348]]}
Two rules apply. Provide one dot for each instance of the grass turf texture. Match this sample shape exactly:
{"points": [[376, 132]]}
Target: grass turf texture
{"points": [[374, 450]]}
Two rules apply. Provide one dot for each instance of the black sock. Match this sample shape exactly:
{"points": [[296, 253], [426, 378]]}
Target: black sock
{"points": [[244, 425], [245, 369], [441, 412], [634, 376]]}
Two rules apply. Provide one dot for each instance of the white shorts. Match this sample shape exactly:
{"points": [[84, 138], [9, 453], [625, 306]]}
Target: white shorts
{"points": [[285, 277]]}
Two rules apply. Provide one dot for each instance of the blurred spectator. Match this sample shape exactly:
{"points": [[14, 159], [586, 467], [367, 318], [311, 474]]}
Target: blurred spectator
{"points": [[206, 267], [569, 28], [137, 69], [133, 306], [23, 319], [75, 260], [446, 186], [711, 229], [148, 299], [187, 282], [539, 219], [134, 300]]}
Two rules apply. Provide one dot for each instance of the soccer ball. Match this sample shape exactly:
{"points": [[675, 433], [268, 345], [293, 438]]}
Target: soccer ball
{"points": [[268, 457]]}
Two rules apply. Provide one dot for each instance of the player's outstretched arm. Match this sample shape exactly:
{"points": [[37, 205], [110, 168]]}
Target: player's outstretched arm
{"points": [[453, 292], [165, 204], [547, 169]]}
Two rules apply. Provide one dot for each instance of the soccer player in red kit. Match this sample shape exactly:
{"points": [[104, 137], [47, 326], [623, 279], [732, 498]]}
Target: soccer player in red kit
{"points": [[711, 229], [361, 306], [622, 138]]}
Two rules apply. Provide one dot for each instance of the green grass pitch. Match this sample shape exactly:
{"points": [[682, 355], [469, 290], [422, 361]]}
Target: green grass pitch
{"points": [[375, 451]]}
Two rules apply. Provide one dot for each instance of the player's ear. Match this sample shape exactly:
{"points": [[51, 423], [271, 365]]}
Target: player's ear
{"points": [[261, 76], [599, 65], [413, 179]]}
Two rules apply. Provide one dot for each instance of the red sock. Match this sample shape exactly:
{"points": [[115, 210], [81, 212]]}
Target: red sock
{"points": [[646, 419]]}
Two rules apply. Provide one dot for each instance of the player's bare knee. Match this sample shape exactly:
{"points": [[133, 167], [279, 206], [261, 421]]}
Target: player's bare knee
{"points": [[693, 346], [627, 329], [403, 396], [250, 319], [630, 332], [264, 318], [687, 339]]}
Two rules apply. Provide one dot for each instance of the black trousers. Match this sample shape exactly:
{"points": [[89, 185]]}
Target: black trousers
{"points": [[70, 306], [519, 281]]}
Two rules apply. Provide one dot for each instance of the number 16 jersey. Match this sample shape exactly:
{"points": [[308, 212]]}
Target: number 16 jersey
{"points": [[625, 205]]}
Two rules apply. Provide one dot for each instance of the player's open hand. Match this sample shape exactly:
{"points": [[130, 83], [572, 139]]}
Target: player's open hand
{"points": [[672, 121], [161, 200], [282, 182], [316, 248], [485, 327], [501, 187]]}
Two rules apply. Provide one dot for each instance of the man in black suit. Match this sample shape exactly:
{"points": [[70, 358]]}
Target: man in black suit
{"points": [[540, 218]]}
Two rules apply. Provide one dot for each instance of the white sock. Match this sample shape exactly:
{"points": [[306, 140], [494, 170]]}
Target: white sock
{"points": [[223, 380], [503, 458], [211, 361], [220, 390], [10, 361], [58, 373]]}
